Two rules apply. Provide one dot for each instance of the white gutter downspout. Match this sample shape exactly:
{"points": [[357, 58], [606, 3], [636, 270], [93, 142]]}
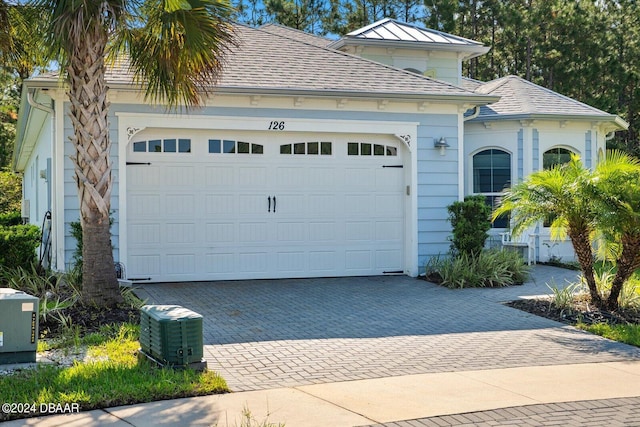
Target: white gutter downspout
{"points": [[37, 105], [476, 113], [609, 136]]}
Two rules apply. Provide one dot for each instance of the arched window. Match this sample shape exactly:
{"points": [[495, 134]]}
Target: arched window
{"points": [[491, 175], [556, 156]]}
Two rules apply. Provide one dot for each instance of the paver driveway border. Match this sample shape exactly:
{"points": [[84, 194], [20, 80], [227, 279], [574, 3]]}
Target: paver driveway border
{"points": [[266, 334]]}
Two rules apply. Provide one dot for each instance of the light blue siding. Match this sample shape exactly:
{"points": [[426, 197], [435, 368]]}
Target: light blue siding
{"points": [[587, 149], [536, 149], [437, 175], [520, 155], [438, 185]]}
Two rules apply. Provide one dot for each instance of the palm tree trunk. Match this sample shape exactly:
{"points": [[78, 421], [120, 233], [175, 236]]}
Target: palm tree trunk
{"points": [[627, 264], [584, 252], [89, 109]]}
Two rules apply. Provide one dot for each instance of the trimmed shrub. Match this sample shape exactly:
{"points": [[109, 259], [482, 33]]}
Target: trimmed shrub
{"points": [[18, 245], [10, 191], [470, 223], [10, 218], [491, 269]]}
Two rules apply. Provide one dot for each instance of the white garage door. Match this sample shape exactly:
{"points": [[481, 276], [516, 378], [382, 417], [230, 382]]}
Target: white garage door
{"points": [[240, 206]]}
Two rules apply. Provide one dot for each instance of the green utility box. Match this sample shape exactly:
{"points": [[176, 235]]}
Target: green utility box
{"points": [[171, 335], [18, 326]]}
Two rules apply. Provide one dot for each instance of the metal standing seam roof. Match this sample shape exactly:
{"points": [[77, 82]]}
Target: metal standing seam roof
{"points": [[520, 98], [390, 29]]}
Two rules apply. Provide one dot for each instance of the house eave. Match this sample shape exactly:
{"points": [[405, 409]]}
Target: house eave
{"points": [[610, 121], [469, 51], [472, 99], [30, 119]]}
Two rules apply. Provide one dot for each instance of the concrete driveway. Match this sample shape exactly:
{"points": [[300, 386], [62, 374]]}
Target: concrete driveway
{"points": [[264, 334]]}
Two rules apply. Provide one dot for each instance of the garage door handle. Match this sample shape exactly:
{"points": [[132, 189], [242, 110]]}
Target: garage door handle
{"points": [[269, 208], [274, 204]]}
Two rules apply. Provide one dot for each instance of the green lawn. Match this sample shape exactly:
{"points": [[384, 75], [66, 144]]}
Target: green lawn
{"points": [[114, 377], [628, 334]]}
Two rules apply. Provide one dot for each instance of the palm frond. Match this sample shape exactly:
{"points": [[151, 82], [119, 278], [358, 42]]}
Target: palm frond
{"points": [[178, 52]]}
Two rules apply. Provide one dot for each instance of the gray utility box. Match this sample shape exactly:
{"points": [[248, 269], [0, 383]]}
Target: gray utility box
{"points": [[171, 335], [18, 326]]}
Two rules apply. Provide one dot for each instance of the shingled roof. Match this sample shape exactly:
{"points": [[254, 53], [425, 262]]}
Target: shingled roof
{"points": [[298, 35], [521, 99], [267, 62]]}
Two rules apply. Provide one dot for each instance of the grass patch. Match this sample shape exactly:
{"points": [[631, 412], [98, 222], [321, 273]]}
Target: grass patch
{"points": [[112, 376], [628, 334]]}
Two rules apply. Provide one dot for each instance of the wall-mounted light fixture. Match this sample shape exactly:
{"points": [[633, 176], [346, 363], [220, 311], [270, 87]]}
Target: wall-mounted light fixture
{"points": [[441, 144]]}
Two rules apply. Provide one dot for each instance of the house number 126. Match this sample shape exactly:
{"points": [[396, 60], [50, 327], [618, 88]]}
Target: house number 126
{"points": [[276, 125]]}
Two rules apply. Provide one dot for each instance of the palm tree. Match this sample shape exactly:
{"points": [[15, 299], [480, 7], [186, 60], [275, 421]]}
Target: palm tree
{"points": [[615, 194], [557, 193], [175, 47]]}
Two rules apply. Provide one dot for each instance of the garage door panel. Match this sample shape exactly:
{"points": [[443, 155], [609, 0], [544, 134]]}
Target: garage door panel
{"points": [[178, 176], [253, 232], [178, 205], [291, 261], [358, 231], [220, 204], [144, 265], [292, 231], [358, 204], [322, 177], [388, 205], [389, 179], [360, 178], [144, 234], [322, 231], [389, 260], [322, 204], [323, 261], [219, 263], [253, 262], [388, 230], [180, 263], [252, 177], [184, 233], [219, 232], [219, 176], [252, 204], [144, 205], [358, 260], [144, 175], [290, 205], [208, 217]]}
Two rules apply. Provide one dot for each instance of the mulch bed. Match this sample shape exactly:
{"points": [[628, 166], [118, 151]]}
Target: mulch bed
{"points": [[90, 318], [581, 311]]}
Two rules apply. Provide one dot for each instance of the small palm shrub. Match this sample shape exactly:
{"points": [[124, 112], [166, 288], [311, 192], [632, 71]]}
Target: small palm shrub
{"points": [[562, 298], [490, 269], [629, 297]]}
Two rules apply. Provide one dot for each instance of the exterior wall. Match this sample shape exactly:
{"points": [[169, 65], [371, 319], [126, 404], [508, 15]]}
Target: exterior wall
{"points": [[440, 65], [436, 176], [36, 188], [438, 185], [527, 141]]}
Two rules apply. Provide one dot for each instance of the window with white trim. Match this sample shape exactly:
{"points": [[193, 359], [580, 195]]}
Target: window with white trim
{"points": [[491, 176]]}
